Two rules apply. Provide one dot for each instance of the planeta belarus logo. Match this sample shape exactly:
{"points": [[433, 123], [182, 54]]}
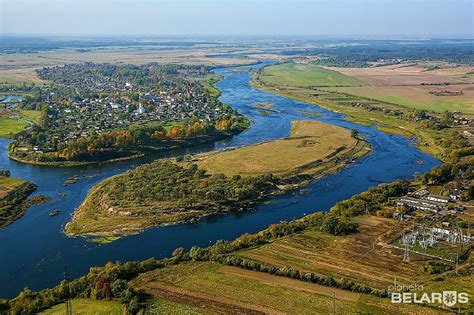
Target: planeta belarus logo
{"points": [[450, 298]]}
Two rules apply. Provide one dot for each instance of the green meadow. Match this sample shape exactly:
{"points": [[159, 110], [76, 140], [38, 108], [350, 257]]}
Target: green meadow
{"points": [[306, 75]]}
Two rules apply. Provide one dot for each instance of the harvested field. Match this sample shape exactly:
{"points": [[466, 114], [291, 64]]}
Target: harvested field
{"points": [[407, 75], [410, 86], [134, 55], [27, 75]]}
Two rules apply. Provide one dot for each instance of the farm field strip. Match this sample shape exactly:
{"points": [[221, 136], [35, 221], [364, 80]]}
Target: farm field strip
{"points": [[217, 288], [349, 256]]}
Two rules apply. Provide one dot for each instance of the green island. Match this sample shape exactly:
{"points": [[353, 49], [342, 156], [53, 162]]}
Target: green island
{"points": [[92, 113], [187, 189], [13, 195]]}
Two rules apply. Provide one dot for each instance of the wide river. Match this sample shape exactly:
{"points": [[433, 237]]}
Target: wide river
{"points": [[34, 250]]}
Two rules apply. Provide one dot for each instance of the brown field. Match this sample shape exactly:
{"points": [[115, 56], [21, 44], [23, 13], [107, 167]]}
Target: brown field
{"points": [[229, 290], [28, 75], [116, 55], [407, 75], [16, 68], [417, 96], [310, 141], [363, 257], [409, 85]]}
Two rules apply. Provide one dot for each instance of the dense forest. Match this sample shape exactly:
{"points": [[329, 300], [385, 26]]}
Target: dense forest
{"points": [[361, 53]]}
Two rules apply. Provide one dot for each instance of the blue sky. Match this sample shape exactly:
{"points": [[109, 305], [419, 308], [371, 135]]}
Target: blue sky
{"points": [[386, 18]]}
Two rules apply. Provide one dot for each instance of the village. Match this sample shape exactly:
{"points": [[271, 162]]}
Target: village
{"points": [[90, 99]]}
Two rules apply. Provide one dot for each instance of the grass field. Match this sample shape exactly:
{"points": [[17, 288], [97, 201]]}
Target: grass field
{"points": [[351, 257], [161, 306], [310, 142], [9, 183], [306, 75], [219, 288], [30, 115], [209, 85], [88, 307], [129, 55], [13, 121], [11, 126]]}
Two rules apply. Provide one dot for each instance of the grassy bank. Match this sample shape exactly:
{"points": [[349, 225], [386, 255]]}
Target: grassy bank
{"points": [[17, 153], [13, 194], [189, 189], [309, 149], [88, 306]]}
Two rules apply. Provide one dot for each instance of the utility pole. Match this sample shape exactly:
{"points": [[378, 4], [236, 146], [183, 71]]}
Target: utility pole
{"points": [[68, 301], [457, 263], [334, 302]]}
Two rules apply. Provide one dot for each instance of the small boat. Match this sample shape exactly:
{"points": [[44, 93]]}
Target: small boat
{"points": [[54, 213], [420, 162]]}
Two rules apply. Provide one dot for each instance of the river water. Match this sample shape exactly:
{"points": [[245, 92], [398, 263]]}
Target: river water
{"points": [[34, 250]]}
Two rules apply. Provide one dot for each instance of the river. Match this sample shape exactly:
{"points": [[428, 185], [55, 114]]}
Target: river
{"points": [[34, 250]]}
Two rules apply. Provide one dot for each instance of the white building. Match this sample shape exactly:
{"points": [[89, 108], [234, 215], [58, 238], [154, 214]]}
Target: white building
{"points": [[141, 109]]}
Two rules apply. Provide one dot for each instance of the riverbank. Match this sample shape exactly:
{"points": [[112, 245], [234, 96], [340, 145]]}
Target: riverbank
{"points": [[386, 117], [13, 195], [210, 184], [168, 145]]}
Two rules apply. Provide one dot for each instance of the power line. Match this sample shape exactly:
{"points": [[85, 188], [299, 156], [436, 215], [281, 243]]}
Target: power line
{"points": [[68, 301]]}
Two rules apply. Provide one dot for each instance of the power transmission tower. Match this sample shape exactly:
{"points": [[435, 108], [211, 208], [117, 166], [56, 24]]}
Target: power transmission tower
{"points": [[68, 301], [406, 252]]}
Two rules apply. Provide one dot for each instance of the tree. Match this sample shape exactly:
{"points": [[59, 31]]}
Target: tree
{"points": [[338, 225], [355, 133], [5, 173], [118, 287]]}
